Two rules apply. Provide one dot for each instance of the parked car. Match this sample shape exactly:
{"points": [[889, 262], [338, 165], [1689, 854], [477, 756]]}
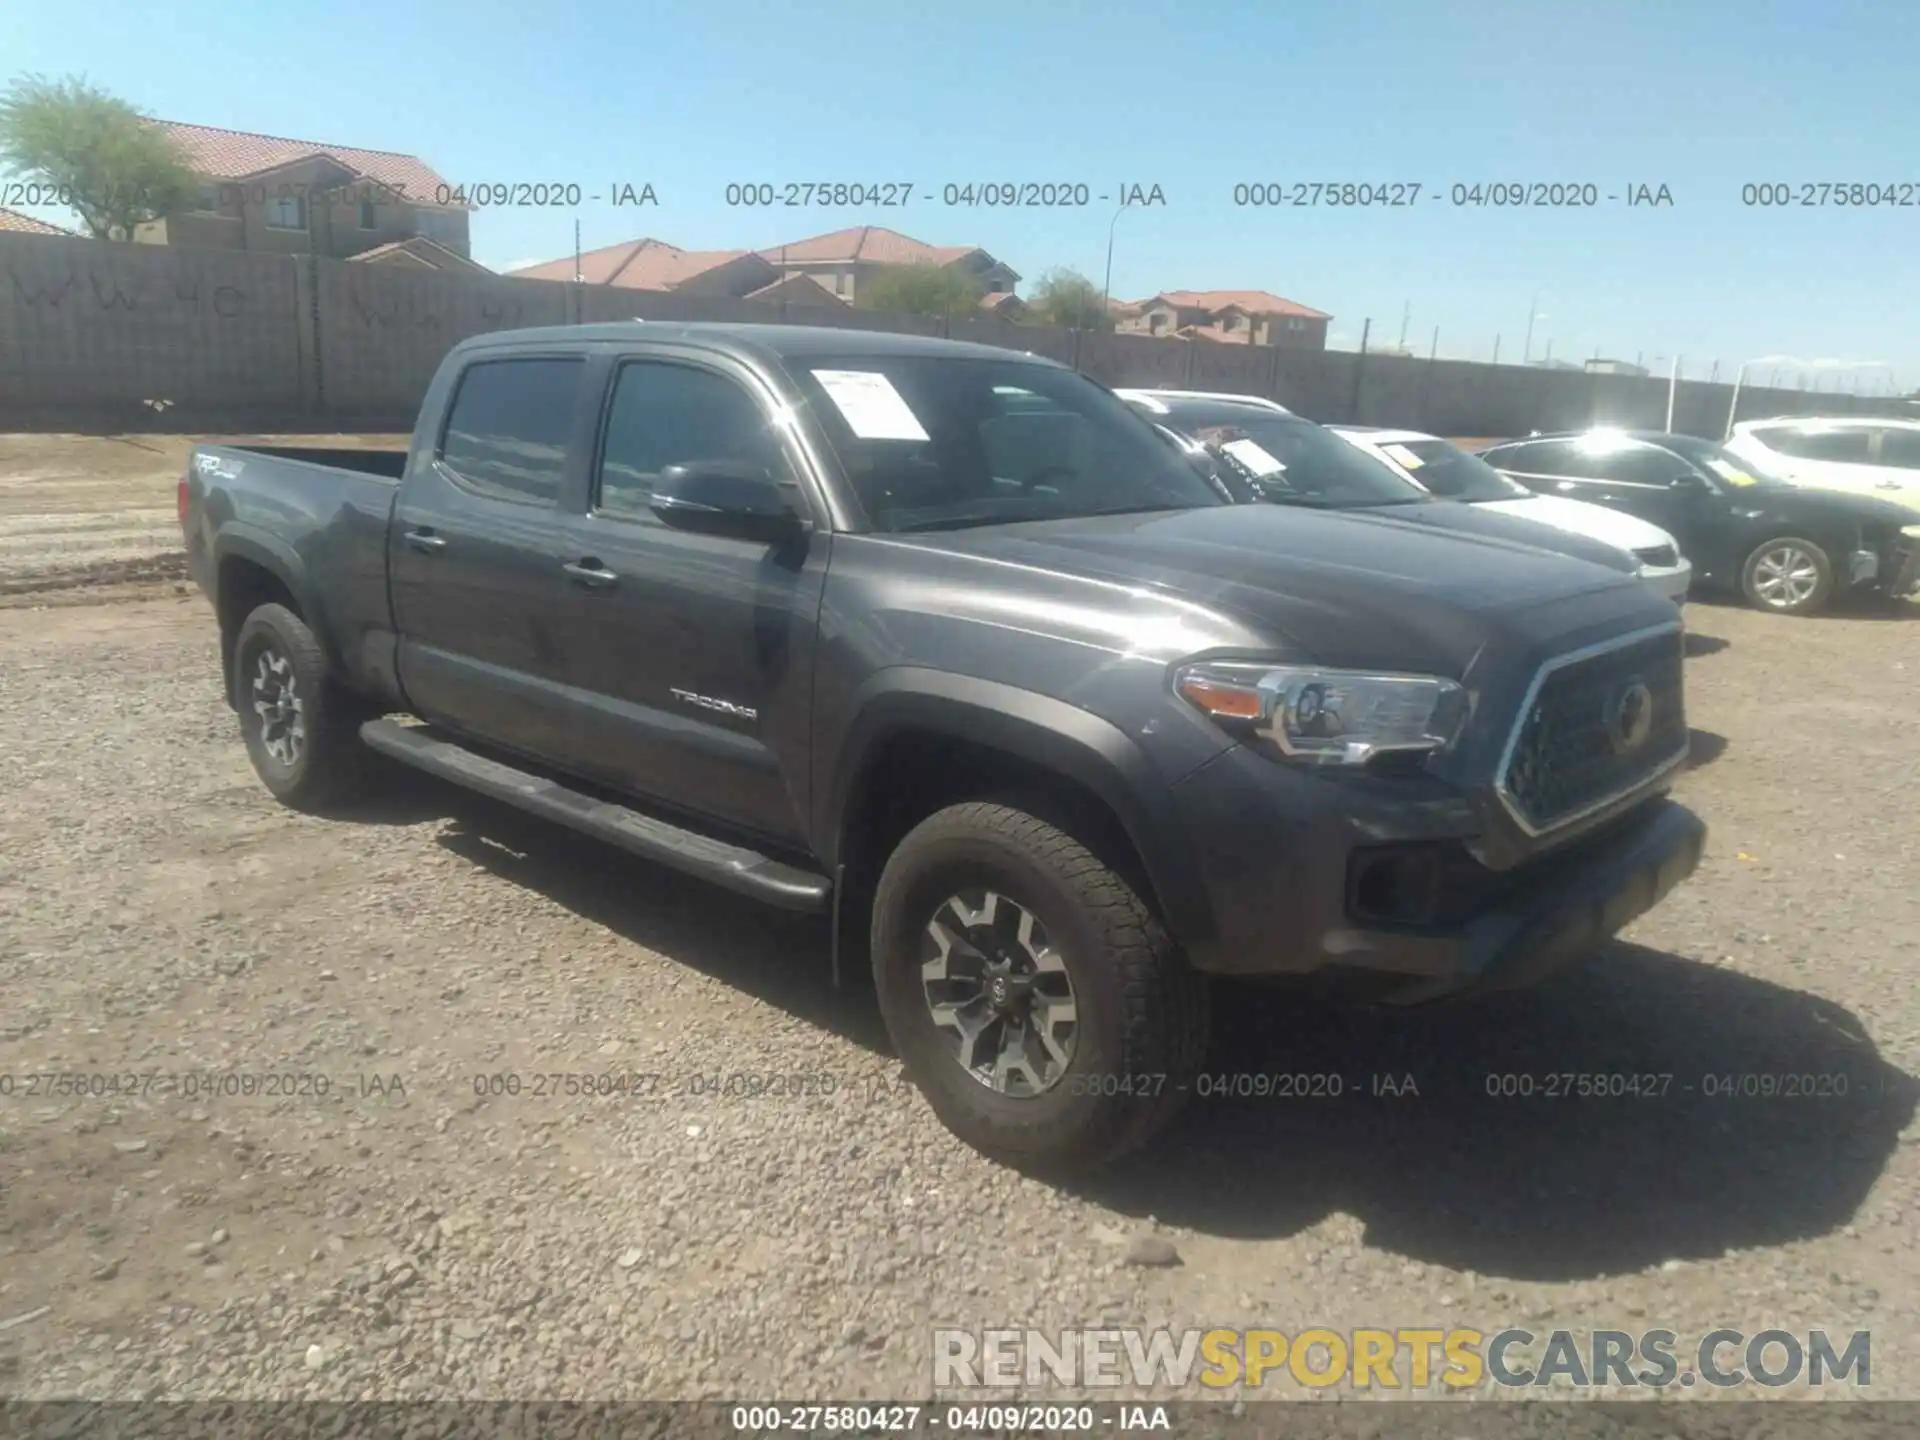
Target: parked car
{"points": [[1254, 450], [1867, 457], [943, 643], [1785, 548], [1447, 472]]}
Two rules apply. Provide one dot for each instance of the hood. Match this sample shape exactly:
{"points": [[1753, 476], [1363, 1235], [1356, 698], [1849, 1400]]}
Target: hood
{"points": [[1597, 522], [1356, 587], [1490, 522]]}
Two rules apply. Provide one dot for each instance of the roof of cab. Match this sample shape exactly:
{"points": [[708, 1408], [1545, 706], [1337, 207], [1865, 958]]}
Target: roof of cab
{"points": [[797, 342]]}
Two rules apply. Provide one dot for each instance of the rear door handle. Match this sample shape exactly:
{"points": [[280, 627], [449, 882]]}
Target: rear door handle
{"points": [[591, 573], [426, 541]]}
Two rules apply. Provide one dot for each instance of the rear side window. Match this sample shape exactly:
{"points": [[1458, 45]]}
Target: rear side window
{"points": [[1846, 445], [508, 430], [666, 414], [1541, 457]]}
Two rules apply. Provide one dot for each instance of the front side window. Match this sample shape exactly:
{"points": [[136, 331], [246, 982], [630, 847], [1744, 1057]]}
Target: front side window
{"points": [[668, 414], [287, 212], [508, 428], [1900, 449], [939, 443]]}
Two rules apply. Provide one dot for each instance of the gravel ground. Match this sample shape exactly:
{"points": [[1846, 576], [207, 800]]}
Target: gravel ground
{"points": [[405, 1235]]}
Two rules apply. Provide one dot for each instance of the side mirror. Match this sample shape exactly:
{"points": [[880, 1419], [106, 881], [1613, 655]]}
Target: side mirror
{"points": [[724, 497]]}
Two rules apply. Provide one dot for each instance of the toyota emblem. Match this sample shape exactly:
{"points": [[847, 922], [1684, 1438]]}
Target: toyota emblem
{"points": [[1630, 718]]}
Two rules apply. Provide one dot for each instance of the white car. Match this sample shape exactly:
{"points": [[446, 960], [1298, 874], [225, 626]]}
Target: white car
{"points": [[1450, 473], [1865, 456]]}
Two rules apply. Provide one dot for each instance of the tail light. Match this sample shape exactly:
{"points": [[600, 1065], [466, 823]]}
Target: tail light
{"points": [[180, 496]]}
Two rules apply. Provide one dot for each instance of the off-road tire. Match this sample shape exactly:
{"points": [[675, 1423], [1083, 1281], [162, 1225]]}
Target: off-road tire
{"points": [[330, 764], [1143, 1013]]}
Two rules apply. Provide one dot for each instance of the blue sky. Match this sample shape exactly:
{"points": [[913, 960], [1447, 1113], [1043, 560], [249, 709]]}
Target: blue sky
{"points": [[1702, 97]]}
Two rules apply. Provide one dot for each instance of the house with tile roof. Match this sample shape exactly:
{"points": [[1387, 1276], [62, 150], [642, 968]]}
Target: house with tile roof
{"points": [[841, 259], [1225, 317], [14, 221], [307, 197], [822, 270]]}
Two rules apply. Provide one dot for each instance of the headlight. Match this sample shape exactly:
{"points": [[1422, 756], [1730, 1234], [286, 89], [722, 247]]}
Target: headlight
{"points": [[1326, 717]]}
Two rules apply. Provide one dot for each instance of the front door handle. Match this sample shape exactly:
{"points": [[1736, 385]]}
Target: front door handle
{"points": [[591, 573], [425, 541]]}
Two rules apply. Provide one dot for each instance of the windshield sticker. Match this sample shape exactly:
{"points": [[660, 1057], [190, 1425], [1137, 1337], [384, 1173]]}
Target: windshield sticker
{"points": [[1251, 455], [874, 410], [1729, 474], [1403, 456]]}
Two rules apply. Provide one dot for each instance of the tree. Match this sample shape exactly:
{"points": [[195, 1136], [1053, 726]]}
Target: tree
{"points": [[95, 151], [936, 290], [1069, 300]]}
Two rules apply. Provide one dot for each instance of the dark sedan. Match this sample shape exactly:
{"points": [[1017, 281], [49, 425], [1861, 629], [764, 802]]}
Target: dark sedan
{"points": [[1784, 548]]}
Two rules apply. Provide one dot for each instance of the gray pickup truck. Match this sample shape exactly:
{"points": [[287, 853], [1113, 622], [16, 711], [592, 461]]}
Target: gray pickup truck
{"points": [[946, 643]]}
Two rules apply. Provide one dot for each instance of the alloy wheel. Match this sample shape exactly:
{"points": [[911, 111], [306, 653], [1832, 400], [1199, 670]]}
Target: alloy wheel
{"points": [[1785, 576], [276, 700], [999, 993]]}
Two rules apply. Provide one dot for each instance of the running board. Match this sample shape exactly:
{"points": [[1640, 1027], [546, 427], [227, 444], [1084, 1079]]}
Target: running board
{"points": [[733, 866]]}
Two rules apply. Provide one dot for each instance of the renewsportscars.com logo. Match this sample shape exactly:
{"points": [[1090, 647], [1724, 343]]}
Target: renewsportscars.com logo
{"points": [[1369, 1359]]}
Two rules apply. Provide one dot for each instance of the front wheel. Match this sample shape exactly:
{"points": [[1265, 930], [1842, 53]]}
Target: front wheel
{"points": [[1788, 575], [1030, 993]]}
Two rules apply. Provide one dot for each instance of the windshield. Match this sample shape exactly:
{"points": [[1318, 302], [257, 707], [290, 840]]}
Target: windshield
{"points": [[1722, 464], [943, 443], [1296, 462], [1451, 473]]}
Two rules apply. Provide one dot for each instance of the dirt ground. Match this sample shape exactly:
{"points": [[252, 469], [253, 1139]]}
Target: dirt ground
{"points": [[305, 1156]]}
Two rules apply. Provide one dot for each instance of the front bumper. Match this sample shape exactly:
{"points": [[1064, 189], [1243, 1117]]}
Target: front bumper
{"points": [[1291, 901], [1670, 582]]}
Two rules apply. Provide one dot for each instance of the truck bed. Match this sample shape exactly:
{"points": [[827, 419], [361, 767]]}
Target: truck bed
{"points": [[383, 463]]}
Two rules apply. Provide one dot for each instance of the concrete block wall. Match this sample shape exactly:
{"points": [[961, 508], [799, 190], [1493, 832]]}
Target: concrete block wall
{"points": [[90, 329]]}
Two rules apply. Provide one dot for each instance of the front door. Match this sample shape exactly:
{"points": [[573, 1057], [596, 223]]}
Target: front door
{"points": [[475, 567], [690, 655]]}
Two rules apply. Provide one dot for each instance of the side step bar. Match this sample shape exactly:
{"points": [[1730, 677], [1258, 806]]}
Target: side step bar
{"points": [[735, 867]]}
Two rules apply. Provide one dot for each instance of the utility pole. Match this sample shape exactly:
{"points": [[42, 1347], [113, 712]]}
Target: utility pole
{"points": [[1496, 350], [1434, 353], [1526, 349], [1406, 315]]}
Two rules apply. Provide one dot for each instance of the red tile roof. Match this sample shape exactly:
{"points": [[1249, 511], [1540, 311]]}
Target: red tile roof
{"points": [[644, 264], [430, 252], [236, 154], [812, 292], [1254, 302], [874, 244], [26, 224], [1003, 300]]}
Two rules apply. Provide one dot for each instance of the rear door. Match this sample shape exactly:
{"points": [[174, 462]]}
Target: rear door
{"points": [[475, 558], [689, 655]]}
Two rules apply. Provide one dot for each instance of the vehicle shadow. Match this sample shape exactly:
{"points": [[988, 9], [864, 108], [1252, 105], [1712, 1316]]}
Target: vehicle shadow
{"points": [[1546, 1186], [1697, 645], [776, 956], [1703, 748]]}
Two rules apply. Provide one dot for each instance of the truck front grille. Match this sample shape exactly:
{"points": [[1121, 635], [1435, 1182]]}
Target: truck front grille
{"points": [[1597, 725]]}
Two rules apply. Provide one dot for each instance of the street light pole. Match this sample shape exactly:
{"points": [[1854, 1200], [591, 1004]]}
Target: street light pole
{"points": [[1106, 283], [1526, 350]]}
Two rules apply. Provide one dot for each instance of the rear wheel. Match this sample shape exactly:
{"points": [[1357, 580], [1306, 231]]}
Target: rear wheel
{"points": [[301, 729], [1788, 575], [1033, 997]]}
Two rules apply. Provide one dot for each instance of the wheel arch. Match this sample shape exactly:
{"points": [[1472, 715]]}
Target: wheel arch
{"points": [[252, 569], [924, 739]]}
